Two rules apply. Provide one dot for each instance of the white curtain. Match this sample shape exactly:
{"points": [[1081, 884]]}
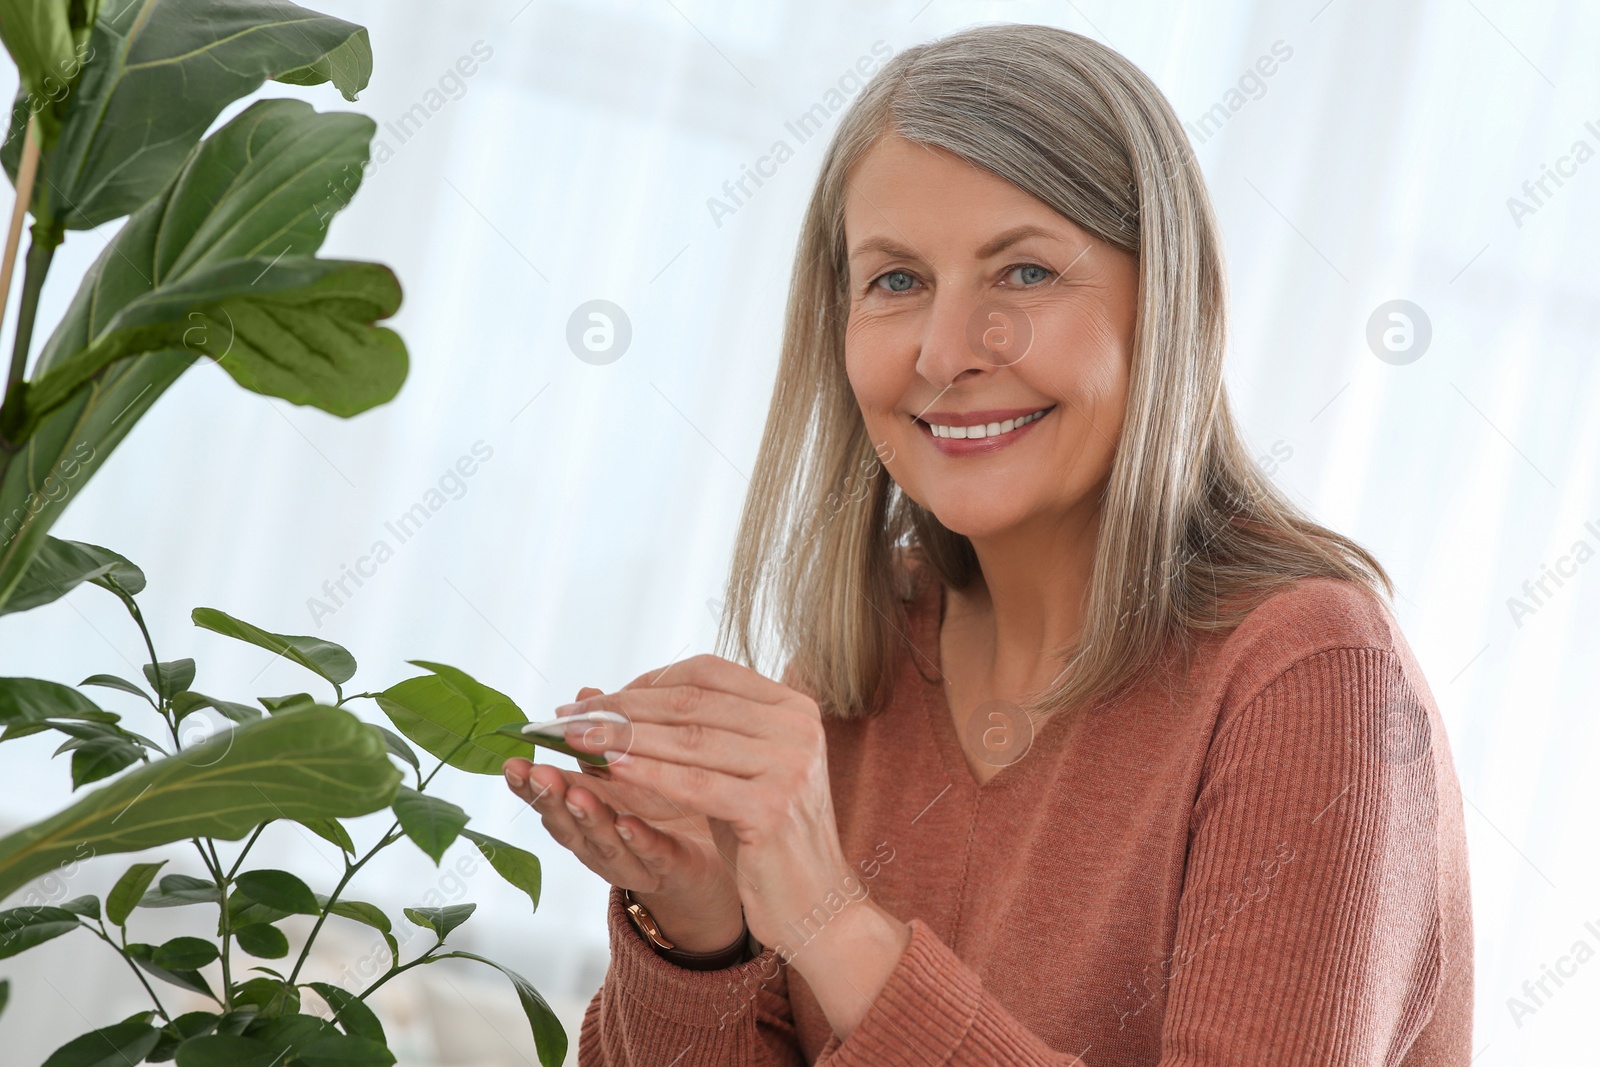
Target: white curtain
{"points": [[1440, 152]]}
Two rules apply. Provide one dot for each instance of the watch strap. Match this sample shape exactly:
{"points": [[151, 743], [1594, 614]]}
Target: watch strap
{"points": [[645, 923]]}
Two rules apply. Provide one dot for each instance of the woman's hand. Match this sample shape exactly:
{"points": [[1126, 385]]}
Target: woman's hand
{"points": [[714, 737], [670, 862]]}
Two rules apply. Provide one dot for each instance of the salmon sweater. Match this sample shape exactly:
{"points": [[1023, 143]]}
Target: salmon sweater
{"points": [[1256, 859]]}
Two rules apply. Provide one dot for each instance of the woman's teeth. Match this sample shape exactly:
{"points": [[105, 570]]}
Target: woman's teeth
{"points": [[993, 429]]}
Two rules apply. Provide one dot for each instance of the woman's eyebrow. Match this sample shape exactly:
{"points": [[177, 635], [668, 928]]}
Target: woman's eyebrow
{"points": [[993, 247], [885, 245]]}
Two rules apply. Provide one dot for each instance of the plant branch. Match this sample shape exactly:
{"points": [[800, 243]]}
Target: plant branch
{"points": [[123, 952], [165, 706], [27, 170], [222, 920], [239, 862], [426, 957]]}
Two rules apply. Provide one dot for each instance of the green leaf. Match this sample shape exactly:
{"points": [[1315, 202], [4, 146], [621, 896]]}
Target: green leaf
{"points": [[124, 896], [26, 701], [23, 928], [322, 762], [272, 996], [343, 1050], [242, 911], [370, 915], [111, 681], [331, 831], [103, 755], [321, 657], [183, 978], [437, 717], [185, 954], [47, 40], [441, 920], [226, 1050], [88, 906], [111, 1046], [5, 994], [516, 866], [186, 1026], [292, 702], [398, 747], [351, 1012], [262, 940], [548, 1034], [430, 822], [61, 566], [188, 702], [170, 678], [160, 73], [277, 889], [177, 890]]}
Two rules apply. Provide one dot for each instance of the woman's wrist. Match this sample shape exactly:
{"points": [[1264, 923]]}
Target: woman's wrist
{"points": [[691, 925], [848, 962]]}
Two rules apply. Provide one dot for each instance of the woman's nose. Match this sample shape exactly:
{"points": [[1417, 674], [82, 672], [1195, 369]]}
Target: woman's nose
{"points": [[965, 333]]}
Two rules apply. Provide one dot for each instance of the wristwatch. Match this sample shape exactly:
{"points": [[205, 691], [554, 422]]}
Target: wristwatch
{"points": [[645, 923]]}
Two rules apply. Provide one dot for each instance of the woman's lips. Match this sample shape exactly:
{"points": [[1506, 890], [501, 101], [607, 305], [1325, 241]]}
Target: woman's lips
{"points": [[975, 446]]}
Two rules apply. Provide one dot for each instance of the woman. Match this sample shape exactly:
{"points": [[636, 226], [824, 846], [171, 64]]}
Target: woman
{"points": [[1090, 747]]}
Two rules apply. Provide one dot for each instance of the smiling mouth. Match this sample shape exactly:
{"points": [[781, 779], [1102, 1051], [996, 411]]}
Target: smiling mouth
{"points": [[992, 429]]}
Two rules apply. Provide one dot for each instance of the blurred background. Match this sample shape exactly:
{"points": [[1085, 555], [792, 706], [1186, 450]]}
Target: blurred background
{"points": [[1437, 153]]}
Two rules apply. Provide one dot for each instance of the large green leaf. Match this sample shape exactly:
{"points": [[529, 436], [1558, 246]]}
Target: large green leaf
{"points": [[159, 72], [259, 190], [325, 658], [110, 1046], [321, 762], [549, 1037], [29, 702], [60, 566], [277, 889], [23, 928], [435, 714]]}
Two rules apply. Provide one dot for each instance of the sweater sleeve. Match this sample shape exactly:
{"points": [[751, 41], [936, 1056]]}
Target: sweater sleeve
{"points": [[1307, 928], [649, 1012]]}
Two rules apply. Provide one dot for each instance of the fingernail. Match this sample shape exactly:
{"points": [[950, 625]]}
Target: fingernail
{"points": [[577, 812], [566, 709], [614, 758], [624, 833], [514, 778]]}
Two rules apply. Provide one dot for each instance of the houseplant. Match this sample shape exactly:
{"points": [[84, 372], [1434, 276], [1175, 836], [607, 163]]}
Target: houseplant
{"points": [[216, 259]]}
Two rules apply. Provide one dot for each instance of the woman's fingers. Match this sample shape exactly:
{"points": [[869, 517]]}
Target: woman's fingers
{"points": [[690, 743]]}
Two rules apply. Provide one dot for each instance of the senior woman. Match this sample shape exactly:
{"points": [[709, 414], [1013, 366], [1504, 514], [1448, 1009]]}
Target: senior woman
{"points": [[1090, 747]]}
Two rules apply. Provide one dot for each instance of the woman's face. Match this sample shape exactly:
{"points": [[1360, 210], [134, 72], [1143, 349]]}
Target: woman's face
{"points": [[974, 303]]}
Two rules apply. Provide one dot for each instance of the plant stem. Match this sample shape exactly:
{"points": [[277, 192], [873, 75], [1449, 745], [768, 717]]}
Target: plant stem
{"points": [[392, 971], [27, 170], [41, 249], [123, 952], [239, 862], [164, 707], [389, 837], [222, 920]]}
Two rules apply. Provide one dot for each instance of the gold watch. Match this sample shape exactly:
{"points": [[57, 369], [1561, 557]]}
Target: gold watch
{"points": [[645, 923]]}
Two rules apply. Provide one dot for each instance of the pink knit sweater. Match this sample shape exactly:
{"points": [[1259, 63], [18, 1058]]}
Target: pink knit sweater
{"points": [[1259, 861]]}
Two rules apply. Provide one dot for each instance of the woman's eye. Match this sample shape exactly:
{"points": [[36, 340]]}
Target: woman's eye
{"points": [[1030, 274], [896, 281]]}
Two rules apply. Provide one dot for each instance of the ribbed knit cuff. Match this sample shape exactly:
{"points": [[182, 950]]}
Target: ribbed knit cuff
{"points": [[720, 999], [920, 1016]]}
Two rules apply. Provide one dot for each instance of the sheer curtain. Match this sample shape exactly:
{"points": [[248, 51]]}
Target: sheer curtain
{"points": [[1437, 153]]}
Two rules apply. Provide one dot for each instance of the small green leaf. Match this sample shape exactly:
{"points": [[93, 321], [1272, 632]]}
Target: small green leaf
{"points": [[369, 914], [124, 896], [432, 823], [170, 677], [111, 1046], [188, 702], [548, 1034], [437, 718], [111, 681], [34, 700], [514, 730], [331, 831], [87, 906], [441, 920], [102, 756], [398, 747], [343, 1050], [516, 866], [292, 702], [322, 657], [262, 940], [190, 1024], [351, 1012], [23, 928], [5, 994], [277, 889], [144, 956], [176, 890], [272, 996], [61, 566], [184, 954]]}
